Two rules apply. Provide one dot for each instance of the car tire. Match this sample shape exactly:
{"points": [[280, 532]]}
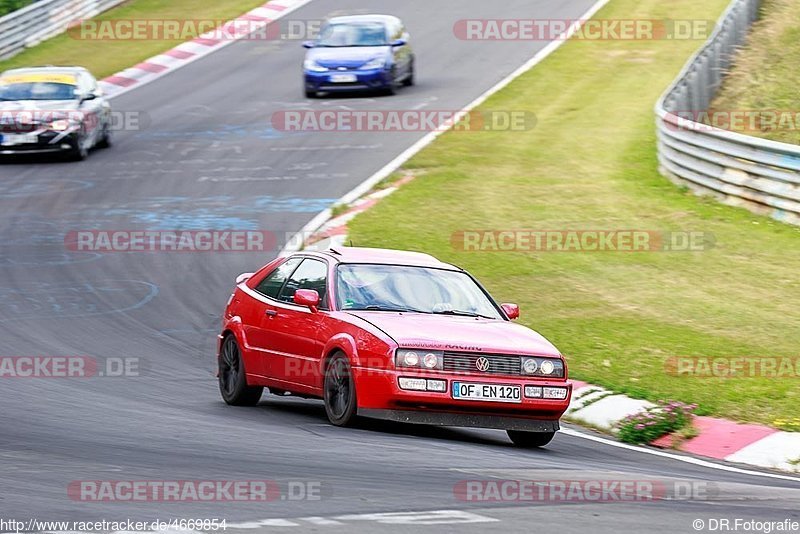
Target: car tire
{"points": [[232, 379], [79, 152], [530, 440], [310, 94], [409, 81], [105, 138], [339, 391], [391, 87]]}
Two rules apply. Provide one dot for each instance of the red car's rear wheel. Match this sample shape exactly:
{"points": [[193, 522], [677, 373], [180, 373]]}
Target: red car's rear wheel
{"points": [[232, 382], [340, 391]]}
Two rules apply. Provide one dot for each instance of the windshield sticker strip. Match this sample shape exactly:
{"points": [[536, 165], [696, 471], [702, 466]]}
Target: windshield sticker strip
{"points": [[67, 79]]}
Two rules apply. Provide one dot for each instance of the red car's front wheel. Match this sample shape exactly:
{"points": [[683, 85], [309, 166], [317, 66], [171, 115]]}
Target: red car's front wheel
{"points": [[340, 391]]}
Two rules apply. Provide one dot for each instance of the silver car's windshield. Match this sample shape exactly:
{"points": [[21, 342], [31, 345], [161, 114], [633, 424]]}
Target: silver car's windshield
{"points": [[37, 91], [413, 289]]}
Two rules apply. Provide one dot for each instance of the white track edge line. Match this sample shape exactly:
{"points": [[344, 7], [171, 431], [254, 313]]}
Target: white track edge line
{"points": [[686, 459]]}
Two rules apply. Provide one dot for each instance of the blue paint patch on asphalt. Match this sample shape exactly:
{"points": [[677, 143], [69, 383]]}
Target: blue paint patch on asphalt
{"points": [[294, 204], [44, 257], [32, 232], [225, 132], [186, 213], [194, 220], [42, 187], [47, 300]]}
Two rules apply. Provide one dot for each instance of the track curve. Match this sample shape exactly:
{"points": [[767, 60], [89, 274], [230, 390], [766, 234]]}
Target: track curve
{"points": [[207, 158]]}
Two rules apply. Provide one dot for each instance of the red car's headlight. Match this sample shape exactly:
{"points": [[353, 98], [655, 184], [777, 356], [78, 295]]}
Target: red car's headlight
{"points": [[419, 359], [544, 367]]}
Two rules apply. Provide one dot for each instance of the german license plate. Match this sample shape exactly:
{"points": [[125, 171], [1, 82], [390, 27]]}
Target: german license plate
{"points": [[17, 139], [486, 392], [343, 78]]}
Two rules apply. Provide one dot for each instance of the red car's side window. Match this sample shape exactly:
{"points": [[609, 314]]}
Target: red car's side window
{"points": [[271, 285], [312, 274]]}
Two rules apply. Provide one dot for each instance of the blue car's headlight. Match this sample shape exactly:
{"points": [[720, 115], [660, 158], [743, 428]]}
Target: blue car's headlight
{"points": [[313, 66], [377, 63]]}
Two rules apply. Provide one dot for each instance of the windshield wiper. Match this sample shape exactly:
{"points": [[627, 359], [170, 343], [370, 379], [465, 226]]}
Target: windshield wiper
{"points": [[462, 313], [375, 307]]}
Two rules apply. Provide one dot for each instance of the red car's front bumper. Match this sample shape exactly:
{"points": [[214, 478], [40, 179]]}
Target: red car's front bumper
{"points": [[379, 395]]}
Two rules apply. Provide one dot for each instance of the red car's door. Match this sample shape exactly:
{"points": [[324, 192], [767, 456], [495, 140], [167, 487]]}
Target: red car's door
{"points": [[295, 330], [258, 315]]}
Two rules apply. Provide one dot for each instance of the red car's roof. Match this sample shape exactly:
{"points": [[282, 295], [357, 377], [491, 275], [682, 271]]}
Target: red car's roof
{"points": [[386, 256]]}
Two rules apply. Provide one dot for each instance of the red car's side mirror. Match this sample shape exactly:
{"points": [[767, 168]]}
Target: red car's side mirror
{"points": [[512, 310], [307, 297]]}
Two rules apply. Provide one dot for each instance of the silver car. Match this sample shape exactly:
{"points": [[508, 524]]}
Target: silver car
{"points": [[52, 110]]}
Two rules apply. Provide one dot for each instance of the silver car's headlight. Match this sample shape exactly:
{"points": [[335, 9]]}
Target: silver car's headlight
{"points": [[62, 124]]}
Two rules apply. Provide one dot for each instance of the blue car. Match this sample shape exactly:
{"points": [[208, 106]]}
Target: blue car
{"points": [[359, 53]]}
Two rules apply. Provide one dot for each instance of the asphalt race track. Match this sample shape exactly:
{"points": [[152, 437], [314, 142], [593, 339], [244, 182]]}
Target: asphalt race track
{"points": [[206, 157]]}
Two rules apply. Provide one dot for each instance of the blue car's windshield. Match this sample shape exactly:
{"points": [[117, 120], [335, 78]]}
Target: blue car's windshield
{"points": [[37, 91], [353, 34]]}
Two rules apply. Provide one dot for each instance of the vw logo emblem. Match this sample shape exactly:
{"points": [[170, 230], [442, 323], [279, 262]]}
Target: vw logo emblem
{"points": [[482, 364]]}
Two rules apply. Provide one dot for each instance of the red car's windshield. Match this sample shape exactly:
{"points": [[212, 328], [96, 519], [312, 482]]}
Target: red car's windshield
{"points": [[414, 289]]}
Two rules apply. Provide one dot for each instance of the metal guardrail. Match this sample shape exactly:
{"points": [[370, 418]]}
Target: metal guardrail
{"points": [[41, 20], [761, 175]]}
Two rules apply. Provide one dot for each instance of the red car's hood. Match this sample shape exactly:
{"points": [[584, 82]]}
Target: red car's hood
{"points": [[445, 332]]}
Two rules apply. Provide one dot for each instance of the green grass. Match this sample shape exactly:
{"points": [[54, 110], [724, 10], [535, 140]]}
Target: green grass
{"points": [[590, 163], [106, 57], [765, 74], [7, 6]]}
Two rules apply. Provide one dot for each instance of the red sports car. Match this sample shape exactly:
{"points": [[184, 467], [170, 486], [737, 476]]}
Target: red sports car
{"points": [[390, 335]]}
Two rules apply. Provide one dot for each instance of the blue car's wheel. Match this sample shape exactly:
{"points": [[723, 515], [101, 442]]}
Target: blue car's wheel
{"points": [[409, 81], [391, 86]]}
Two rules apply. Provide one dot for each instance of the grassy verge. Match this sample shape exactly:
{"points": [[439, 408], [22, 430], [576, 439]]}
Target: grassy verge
{"points": [[105, 57], [8, 6], [765, 75], [590, 163]]}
